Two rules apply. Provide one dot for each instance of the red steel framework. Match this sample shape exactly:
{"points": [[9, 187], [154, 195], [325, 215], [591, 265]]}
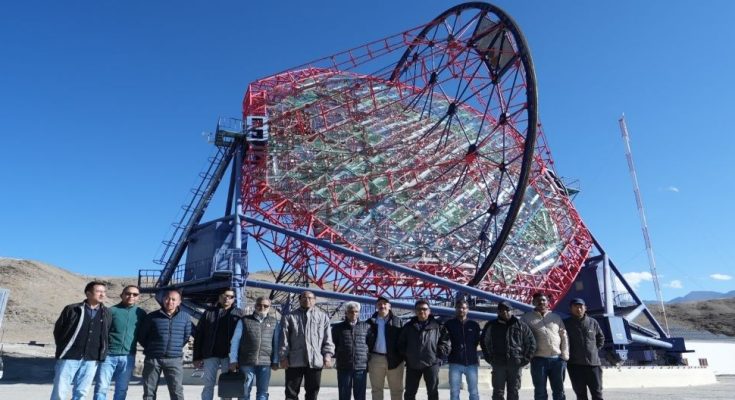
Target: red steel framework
{"points": [[452, 117]]}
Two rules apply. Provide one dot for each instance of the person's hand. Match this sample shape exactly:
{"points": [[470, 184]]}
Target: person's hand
{"points": [[328, 361], [274, 366], [233, 367], [284, 363], [198, 364]]}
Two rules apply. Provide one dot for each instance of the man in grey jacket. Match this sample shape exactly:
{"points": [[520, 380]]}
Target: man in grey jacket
{"points": [[306, 347], [585, 341]]}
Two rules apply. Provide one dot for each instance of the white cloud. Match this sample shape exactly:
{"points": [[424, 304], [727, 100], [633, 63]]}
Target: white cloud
{"points": [[720, 277], [634, 279], [673, 189], [675, 284]]}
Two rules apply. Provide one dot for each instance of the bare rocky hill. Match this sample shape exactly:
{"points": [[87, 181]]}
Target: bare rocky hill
{"points": [[715, 316], [39, 291]]}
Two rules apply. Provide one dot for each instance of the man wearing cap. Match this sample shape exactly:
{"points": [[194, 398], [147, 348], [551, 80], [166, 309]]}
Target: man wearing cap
{"points": [[552, 349], [508, 345], [385, 359], [585, 341]]}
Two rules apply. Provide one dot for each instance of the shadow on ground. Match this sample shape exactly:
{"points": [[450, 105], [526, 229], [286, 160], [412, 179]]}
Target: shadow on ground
{"points": [[22, 369]]}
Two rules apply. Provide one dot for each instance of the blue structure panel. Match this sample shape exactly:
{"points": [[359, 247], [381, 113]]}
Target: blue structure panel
{"points": [[205, 242]]}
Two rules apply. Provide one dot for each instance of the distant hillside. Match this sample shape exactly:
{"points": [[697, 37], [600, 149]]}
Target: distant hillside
{"points": [[702, 295], [715, 316], [38, 292]]}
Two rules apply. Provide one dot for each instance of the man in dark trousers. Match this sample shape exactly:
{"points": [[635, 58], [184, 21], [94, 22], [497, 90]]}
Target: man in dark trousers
{"points": [[552, 349], [212, 339], [306, 347], [81, 340], [351, 350], [585, 341], [464, 336], [423, 343], [163, 335], [385, 359], [507, 345], [254, 348]]}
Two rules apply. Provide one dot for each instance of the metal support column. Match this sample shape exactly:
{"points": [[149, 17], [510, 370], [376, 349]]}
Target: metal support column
{"points": [[237, 275], [608, 282]]}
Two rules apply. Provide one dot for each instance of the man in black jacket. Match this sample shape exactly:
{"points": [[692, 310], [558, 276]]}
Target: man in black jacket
{"points": [[423, 342], [585, 341], [163, 335], [212, 339], [464, 335], [385, 359], [80, 334], [351, 351], [507, 344]]}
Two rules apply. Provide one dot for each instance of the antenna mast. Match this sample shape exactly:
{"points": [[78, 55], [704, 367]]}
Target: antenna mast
{"points": [[642, 215]]}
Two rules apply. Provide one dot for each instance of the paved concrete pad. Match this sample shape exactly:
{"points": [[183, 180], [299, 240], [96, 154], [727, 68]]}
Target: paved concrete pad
{"points": [[722, 390]]}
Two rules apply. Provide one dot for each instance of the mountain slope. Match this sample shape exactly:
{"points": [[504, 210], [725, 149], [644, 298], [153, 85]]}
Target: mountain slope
{"points": [[702, 295]]}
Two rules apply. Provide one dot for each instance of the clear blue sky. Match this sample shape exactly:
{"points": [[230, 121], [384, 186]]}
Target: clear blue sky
{"points": [[102, 104]]}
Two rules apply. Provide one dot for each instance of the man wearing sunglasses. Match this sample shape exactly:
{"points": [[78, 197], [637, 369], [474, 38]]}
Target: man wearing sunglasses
{"points": [[120, 361], [212, 339], [254, 348], [423, 342]]}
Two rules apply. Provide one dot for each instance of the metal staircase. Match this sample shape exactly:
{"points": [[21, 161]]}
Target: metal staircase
{"points": [[226, 139]]}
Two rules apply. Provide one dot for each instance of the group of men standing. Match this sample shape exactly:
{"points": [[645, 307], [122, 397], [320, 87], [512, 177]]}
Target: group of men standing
{"points": [[95, 343], [384, 347], [551, 345], [98, 344]]}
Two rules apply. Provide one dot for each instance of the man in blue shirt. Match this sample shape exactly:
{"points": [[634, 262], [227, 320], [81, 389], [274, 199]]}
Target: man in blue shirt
{"points": [[254, 348], [385, 359]]}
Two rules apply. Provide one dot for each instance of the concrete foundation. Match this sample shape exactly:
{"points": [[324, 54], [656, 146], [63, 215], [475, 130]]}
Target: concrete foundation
{"points": [[622, 377]]}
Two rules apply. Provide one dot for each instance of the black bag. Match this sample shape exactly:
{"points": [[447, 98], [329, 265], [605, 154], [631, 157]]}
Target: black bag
{"points": [[231, 384]]}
